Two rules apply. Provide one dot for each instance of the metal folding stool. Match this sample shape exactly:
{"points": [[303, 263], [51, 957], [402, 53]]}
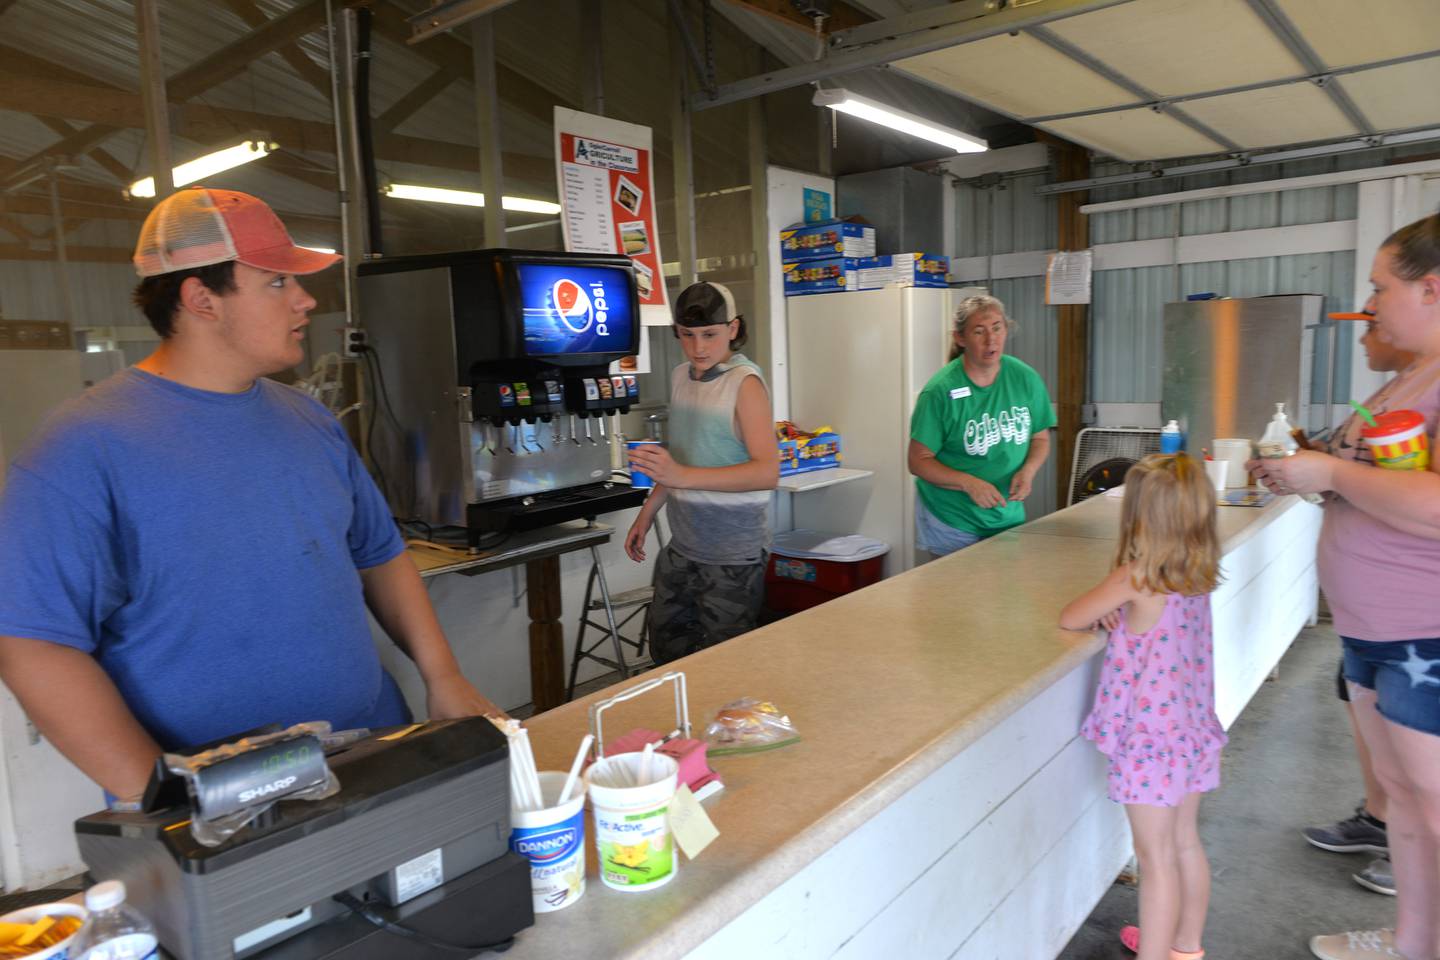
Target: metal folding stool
{"points": [[639, 599]]}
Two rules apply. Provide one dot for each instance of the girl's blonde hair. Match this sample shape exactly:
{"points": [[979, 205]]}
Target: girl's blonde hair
{"points": [[1167, 526]]}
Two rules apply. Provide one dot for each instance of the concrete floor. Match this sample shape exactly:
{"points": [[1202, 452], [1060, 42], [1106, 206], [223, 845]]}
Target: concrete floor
{"points": [[1289, 764]]}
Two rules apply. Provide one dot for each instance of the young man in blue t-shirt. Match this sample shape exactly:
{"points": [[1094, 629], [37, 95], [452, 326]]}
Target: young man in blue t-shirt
{"points": [[188, 548]]}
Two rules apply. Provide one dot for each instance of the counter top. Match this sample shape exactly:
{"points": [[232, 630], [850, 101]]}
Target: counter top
{"points": [[885, 685]]}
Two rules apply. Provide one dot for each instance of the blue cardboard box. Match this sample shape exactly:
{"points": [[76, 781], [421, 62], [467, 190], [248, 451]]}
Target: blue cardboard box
{"points": [[819, 452], [826, 239], [835, 274], [905, 269]]}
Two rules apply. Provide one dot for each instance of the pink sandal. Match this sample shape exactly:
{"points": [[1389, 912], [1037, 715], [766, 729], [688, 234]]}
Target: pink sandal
{"points": [[1130, 937]]}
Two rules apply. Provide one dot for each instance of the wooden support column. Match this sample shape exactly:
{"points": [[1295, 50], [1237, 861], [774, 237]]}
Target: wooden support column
{"points": [[680, 146], [547, 634], [152, 89], [487, 105], [1073, 341]]}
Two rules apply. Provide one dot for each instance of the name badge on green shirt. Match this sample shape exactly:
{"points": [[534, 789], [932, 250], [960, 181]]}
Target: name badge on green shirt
{"points": [[959, 393]]}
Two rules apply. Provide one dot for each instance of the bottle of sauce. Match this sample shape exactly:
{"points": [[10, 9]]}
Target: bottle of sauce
{"points": [[1279, 441]]}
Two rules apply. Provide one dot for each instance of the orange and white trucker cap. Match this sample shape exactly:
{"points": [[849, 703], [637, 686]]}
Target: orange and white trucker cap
{"points": [[197, 227]]}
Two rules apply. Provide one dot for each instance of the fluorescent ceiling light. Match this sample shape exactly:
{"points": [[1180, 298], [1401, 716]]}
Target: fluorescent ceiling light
{"points": [[857, 106], [207, 166], [468, 198], [318, 249]]}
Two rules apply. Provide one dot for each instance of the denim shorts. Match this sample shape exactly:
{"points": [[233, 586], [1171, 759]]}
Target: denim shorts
{"points": [[1405, 675], [938, 537]]}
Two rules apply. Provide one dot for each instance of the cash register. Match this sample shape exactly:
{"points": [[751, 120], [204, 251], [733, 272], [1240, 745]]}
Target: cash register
{"points": [[407, 860]]}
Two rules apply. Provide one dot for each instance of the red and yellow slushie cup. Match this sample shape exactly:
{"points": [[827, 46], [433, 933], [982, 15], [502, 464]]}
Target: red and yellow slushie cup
{"points": [[1398, 440]]}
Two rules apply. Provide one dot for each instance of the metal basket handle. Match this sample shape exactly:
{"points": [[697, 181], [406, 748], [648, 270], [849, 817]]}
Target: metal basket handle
{"points": [[682, 706]]}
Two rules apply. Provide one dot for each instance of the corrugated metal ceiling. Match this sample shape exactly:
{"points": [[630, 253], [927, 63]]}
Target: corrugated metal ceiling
{"points": [[1097, 77]]}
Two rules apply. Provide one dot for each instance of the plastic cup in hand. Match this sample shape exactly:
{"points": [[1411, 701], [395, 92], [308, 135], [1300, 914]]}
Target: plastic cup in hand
{"points": [[1398, 440], [639, 478]]}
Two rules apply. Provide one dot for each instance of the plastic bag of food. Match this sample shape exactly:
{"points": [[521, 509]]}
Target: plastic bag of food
{"points": [[748, 726]]}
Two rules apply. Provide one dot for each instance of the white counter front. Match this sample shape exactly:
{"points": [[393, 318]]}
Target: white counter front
{"points": [[941, 803]]}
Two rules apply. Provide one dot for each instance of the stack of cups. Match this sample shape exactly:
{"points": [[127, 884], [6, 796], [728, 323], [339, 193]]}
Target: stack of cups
{"points": [[630, 795]]}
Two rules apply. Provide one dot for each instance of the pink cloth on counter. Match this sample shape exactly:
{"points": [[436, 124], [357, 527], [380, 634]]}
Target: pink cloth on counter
{"points": [[1380, 582], [1154, 713]]}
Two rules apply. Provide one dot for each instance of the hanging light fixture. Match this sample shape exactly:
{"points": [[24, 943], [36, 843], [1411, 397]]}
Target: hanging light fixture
{"points": [[467, 198], [207, 166], [866, 109]]}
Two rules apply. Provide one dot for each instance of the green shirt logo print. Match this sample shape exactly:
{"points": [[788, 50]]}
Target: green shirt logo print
{"points": [[1011, 426]]}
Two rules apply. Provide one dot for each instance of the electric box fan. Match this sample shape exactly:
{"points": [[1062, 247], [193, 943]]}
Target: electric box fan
{"points": [[1103, 454]]}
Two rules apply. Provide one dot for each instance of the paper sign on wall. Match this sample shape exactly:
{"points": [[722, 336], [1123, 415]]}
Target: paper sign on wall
{"points": [[1067, 277], [605, 173], [817, 205]]}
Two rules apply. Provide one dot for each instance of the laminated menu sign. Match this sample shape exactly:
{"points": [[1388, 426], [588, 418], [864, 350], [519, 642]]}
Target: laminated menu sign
{"points": [[607, 189]]}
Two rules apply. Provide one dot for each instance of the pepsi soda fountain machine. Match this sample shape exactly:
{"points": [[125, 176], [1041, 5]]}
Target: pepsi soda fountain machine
{"points": [[497, 407]]}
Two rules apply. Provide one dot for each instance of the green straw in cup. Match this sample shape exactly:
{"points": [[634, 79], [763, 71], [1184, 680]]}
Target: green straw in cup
{"points": [[1369, 417]]}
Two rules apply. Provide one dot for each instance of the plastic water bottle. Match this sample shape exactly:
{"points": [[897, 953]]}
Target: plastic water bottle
{"points": [[1170, 438], [113, 931]]}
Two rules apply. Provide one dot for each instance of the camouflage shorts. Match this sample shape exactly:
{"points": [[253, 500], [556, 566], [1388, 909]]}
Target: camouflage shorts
{"points": [[698, 605]]}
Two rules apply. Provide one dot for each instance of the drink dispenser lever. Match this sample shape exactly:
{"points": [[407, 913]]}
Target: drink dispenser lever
{"points": [[600, 422], [574, 431]]}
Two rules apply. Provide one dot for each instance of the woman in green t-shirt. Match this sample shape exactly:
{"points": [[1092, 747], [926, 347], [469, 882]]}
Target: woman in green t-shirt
{"points": [[979, 434]]}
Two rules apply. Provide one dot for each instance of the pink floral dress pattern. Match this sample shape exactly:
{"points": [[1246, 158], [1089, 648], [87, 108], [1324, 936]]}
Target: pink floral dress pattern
{"points": [[1154, 713]]}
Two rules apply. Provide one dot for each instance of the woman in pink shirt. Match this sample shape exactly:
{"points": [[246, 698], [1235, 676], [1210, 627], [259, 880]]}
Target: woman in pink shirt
{"points": [[1379, 562]]}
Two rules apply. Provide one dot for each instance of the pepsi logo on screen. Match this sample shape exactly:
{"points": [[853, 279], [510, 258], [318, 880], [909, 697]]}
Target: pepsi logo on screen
{"points": [[573, 309], [578, 309]]}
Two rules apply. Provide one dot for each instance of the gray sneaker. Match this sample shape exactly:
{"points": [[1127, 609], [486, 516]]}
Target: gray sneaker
{"points": [[1378, 877], [1358, 834]]}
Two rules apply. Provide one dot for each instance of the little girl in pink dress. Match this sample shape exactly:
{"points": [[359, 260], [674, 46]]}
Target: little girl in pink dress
{"points": [[1154, 713]]}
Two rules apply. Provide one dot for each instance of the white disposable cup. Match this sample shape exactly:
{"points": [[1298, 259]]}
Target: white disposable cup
{"points": [[1234, 452], [1217, 471], [632, 823], [61, 950], [553, 840]]}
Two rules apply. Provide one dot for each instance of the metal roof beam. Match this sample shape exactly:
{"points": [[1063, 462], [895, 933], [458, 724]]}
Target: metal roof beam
{"points": [[1287, 33], [842, 15], [1059, 44], [1242, 88], [1257, 160], [887, 40]]}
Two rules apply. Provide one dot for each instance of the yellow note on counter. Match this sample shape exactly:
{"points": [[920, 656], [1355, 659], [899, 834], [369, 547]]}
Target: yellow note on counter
{"points": [[690, 824]]}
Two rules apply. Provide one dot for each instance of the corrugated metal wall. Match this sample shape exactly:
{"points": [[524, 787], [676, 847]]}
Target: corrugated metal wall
{"points": [[1127, 306], [1126, 313]]}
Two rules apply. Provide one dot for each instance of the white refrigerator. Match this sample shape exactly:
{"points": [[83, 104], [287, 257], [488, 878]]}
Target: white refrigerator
{"points": [[858, 360]]}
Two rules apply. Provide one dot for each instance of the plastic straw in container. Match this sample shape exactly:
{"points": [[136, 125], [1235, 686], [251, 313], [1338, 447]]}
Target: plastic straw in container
{"points": [[574, 775]]}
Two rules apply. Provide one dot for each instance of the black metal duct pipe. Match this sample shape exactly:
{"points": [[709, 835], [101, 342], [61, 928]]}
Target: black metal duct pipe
{"points": [[363, 132]]}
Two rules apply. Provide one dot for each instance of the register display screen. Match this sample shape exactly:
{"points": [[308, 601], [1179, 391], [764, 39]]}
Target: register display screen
{"points": [[571, 309]]}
